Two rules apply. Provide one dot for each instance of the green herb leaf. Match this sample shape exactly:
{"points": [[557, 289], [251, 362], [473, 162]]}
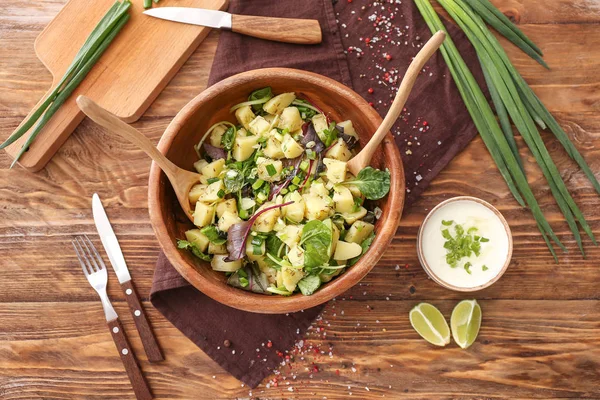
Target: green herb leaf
{"points": [[228, 138], [309, 284], [260, 94], [213, 234], [373, 183], [185, 245], [316, 241]]}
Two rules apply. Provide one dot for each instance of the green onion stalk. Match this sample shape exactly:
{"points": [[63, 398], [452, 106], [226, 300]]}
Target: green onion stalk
{"points": [[87, 56], [495, 139]]}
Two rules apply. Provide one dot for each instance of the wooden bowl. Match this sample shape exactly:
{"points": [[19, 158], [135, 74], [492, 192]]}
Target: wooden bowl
{"points": [[432, 273], [211, 106]]}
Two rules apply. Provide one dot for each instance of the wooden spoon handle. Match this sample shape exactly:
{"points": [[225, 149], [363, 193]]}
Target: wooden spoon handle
{"points": [[113, 123], [288, 30], [362, 159]]}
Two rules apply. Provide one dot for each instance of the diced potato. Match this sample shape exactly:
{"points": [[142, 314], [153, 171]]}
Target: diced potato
{"points": [[348, 128], [279, 225], [319, 123], [250, 250], [290, 119], [336, 170], [359, 231], [352, 217], [270, 118], [294, 212], [342, 197], [196, 191], [273, 148], [244, 147], [198, 238], [245, 115], [296, 256], [339, 151], [213, 169], [211, 193], [291, 148], [217, 248], [266, 173], [227, 220], [316, 207], [277, 104], [345, 251], [266, 221], [198, 165], [204, 214], [269, 271], [217, 135], [291, 277], [290, 235], [218, 263], [247, 203], [259, 126], [227, 205], [318, 188]]}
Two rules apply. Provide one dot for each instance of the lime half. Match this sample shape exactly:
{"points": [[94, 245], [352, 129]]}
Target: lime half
{"points": [[465, 322], [429, 322]]}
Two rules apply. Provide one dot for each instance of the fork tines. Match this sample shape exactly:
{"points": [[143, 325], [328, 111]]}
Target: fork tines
{"points": [[88, 255]]}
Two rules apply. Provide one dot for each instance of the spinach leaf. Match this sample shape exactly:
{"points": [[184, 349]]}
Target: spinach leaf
{"points": [[316, 241], [309, 284], [228, 138], [213, 235], [365, 246], [273, 245], [184, 244], [371, 182], [260, 94]]}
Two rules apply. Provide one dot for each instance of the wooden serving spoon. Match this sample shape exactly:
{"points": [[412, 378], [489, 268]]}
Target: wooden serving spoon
{"points": [[181, 179], [363, 158]]}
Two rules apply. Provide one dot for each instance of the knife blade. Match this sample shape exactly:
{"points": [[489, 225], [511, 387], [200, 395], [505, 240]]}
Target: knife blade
{"points": [[194, 16], [115, 255], [288, 30], [109, 240]]}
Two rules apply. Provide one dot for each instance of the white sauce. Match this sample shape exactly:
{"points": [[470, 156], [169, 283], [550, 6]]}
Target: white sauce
{"points": [[493, 254]]}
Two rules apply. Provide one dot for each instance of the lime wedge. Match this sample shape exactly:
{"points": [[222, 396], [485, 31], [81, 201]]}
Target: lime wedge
{"points": [[465, 322], [429, 322]]}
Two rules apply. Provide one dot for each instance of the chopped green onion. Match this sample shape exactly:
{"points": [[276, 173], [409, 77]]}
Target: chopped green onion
{"points": [[256, 185], [221, 193], [212, 180], [271, 170], [447, 223], [147, 3]]}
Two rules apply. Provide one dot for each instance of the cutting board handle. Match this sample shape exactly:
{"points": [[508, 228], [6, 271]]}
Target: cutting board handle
{"points": [[62, 123]]}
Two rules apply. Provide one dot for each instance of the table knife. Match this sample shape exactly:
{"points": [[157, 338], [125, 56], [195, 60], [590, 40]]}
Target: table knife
{"points": [[288, 30], [113, 250]]}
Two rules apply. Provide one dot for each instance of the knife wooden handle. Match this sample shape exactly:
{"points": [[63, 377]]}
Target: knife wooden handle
{"points": [[130, 362], [287, 30], [141, 322]]}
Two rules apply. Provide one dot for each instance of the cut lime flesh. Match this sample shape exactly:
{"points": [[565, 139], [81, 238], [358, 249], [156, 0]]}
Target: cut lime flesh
{"points": [[465, 322], [429, 322]]}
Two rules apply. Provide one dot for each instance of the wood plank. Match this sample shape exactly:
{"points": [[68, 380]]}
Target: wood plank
{"points": [[524, 350], [539, 335]]}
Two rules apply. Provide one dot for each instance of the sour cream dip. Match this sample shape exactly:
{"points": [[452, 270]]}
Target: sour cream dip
{"points": [[459, 223]]}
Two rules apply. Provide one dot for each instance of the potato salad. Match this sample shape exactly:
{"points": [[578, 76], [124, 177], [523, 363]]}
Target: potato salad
{"points": [[275, 208]]}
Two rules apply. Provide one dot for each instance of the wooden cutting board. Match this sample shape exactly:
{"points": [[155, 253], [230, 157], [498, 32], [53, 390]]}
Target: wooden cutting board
{"points": [[128, 77]]}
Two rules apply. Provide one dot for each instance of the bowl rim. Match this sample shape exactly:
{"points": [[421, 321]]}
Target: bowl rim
{"points": [[433, 275], [278, 304]]}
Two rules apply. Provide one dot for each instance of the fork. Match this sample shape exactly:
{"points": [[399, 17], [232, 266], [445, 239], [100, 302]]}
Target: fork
{"points": [[95, 272]]}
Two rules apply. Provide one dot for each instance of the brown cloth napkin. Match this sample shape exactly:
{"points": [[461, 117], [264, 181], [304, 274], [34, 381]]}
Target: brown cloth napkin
{"points": [[434, 128]]}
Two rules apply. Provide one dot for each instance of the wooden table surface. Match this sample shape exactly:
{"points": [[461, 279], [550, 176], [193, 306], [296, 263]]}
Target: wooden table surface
{"points": [[540, 336]]}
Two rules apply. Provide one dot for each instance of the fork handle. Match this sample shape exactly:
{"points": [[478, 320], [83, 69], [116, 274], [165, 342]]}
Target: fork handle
{"points": [[132, 366], [141, 322]]}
